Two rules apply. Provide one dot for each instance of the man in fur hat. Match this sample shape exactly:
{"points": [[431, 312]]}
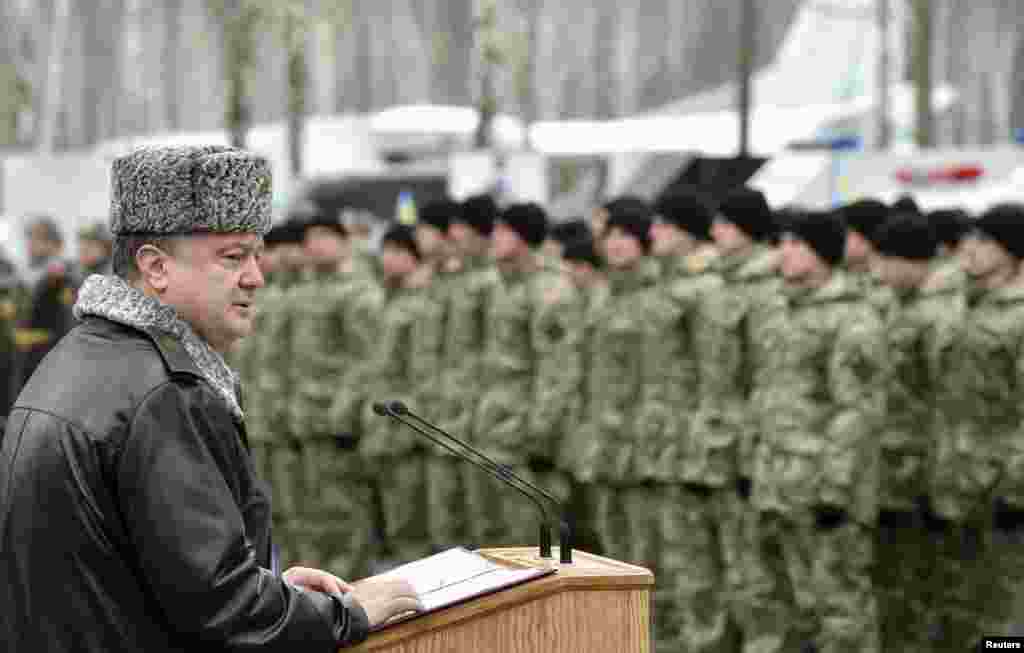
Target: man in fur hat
{"points": [[156, 534]]}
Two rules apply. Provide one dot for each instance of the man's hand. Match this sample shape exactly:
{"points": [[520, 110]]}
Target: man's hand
{"points": [[316, 580], [386, 598]]}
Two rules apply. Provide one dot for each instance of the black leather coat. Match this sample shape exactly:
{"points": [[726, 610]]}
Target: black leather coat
{"points": [[131, 518]]}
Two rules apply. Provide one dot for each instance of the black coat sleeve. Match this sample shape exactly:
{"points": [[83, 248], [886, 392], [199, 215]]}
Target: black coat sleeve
{"points": [[188, 533]]}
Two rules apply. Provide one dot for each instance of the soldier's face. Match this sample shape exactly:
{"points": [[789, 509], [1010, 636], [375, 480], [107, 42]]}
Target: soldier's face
{"points": [[858, 249], [621, 249], [799, 261], [668, 239], [728, 237], [211, 281], [396, 262], [506, 243], [430, 240], [899, 272], [91, 252], [270, 260], [325, 245], [291, 255], [984, 256]]}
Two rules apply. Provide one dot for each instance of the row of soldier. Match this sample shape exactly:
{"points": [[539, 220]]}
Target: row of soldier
{"points": [[36, 301], [804, 423]]}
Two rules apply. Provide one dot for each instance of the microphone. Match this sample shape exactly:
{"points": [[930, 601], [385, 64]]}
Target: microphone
{"points": [[399, 411]]}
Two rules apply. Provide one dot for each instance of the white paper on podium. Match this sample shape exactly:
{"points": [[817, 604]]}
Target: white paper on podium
{"points": [[456, 575]]}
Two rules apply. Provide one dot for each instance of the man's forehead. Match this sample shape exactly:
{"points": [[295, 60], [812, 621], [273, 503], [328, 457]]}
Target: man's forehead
{"points": [[221, 241]]}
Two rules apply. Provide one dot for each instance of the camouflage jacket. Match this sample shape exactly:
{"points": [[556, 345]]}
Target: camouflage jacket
{"points": [[919, 326], [820, 417], [402, 364], [742, 311], [463, 295], [530, 365], [687, 388], [331, 332], [628, 336], [982, 452]]}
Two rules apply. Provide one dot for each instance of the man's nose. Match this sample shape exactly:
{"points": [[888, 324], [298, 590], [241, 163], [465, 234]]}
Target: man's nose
{"points": [[252, 275]]}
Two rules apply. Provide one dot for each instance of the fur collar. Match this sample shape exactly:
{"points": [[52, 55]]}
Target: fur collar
{"points": [[114, 299]]}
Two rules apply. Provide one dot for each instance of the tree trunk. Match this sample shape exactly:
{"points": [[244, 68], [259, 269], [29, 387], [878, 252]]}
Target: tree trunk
{"points": [[295, 43], [883, 136], [53, 97], [747, 49], [922, 72]]}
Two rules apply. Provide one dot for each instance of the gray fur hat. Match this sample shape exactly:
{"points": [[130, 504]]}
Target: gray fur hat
{"points": [[187, 189]]}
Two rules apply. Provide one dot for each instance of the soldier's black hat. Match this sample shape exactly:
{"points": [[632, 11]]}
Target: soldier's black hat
{"points": [[906, 204], [825, 233], [748, 209], [584, 251], [1004, 223], [569, 231], [950, 225], [689, 210], [907, 235], [528, 220], [403, 236], [479, 212], [865, 216], [292, 232], [440, 213], [275, 236], [633, 218]]}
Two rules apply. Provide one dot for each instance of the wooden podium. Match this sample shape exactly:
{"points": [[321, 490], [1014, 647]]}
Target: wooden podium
{"points": [[595, 605]]}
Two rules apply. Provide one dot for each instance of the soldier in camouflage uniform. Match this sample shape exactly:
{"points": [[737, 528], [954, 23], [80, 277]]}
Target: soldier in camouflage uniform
{"points": [[585, 267], [329, 335], [11, 292], [462, 286], [276, 451], [530, 372], [748, 264], [979, 456], [923, 320], [951, 227], [402, 365], [863, 218], [816, 466], [697, 400]]}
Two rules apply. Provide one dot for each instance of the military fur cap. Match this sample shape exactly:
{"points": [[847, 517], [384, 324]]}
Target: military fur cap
{"points": [[907, 235], [748, 209], [950, 225], [404, 236], [583, 251], [569, 231], [440, 213], [479, 212], [188, 189], [528, 220], [865, 216], [825, 233], [688, 210], [634, 219], [1004, 223]]}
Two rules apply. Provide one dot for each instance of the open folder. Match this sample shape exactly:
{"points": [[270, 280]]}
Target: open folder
{"points": [[455, 576]]}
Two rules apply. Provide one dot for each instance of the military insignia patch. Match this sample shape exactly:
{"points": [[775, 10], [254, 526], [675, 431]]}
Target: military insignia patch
{"points": [[67, 297], [7, 310], [700, 261]]}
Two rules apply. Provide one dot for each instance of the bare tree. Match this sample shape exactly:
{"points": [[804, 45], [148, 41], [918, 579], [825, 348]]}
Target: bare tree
{"points": [[922, 72], [53, 96]]}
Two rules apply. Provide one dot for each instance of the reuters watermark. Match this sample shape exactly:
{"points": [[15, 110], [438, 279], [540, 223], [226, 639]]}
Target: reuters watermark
{"points": [[1001, 644]]}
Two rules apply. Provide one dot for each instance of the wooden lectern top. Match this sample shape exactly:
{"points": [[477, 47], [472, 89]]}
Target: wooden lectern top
{"points": [[624, 586]]}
